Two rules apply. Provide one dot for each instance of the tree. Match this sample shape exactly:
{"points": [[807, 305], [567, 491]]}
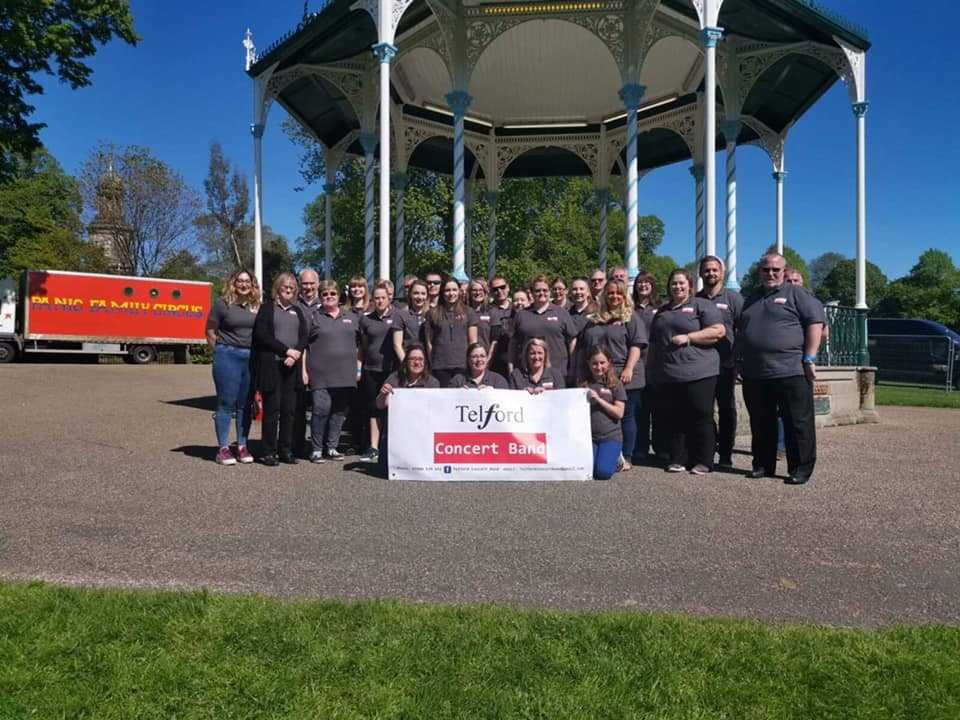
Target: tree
{"points": [[821, 266], [841, 284], [224, 228], [930, 291], [48, 37], [750, 280], [40, 219], [159, 209]]}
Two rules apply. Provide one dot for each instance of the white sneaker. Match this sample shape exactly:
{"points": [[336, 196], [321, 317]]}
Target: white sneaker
{"points": [[316, 457]]}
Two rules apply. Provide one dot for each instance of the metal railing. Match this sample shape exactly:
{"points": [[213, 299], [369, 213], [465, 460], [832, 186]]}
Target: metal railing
{"points": [[916, 360], [846, 342]]}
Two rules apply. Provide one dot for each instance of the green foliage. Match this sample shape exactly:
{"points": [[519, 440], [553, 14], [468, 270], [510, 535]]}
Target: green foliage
{"points": [[186, 266], [821, 266], [841, 284], [930, 291], [117, 654], [48, 37], [223, 229], [750, 280], [40, 220]]}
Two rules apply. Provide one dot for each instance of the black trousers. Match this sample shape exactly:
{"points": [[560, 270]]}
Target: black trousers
{"points": [[301, 445], [279, 408], [726, 412], [793, 398], [445, 377], [687, 411]]}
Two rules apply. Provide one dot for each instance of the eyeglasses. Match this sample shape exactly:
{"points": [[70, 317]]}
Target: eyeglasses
{"points": [[498, 287], [331, 293], [771, 270], [434, 282], [291, 288]]}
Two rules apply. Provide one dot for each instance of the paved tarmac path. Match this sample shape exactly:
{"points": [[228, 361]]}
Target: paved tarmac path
{"points": [[106, 479]]}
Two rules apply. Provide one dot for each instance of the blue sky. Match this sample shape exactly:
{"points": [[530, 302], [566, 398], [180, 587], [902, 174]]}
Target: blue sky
{"points": [[184, 86]]}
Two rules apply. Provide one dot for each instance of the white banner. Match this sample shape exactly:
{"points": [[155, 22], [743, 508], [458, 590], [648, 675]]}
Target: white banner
{"points": [[489, 435]]}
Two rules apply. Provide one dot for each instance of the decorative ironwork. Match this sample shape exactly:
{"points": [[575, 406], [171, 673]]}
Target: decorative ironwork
{"points": [[834, 17], [847, 339], [772, 142], [586, 146]]}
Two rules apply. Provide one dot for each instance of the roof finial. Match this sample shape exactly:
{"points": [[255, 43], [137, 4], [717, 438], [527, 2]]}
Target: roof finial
{"points": [[251, 49]]}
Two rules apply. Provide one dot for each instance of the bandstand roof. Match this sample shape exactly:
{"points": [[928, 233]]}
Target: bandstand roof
{"points": [[556, 66]]}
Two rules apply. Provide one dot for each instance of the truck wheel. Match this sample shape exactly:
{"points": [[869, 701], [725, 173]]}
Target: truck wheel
{"points": [[143, 354], [8, 352]]}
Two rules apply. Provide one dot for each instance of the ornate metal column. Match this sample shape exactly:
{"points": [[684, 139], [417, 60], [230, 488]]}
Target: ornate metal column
{"points": [[631, 94], [328, 189], [779, 176], [459, 101], [860, 112], [492, 197], [400, 184], [384, 52], [603, 200], [468, 228], [369, 143], [697, 172], [257, 131], [731, 129], [711, 36]]}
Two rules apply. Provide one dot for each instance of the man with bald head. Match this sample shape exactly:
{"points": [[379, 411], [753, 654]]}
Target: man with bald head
{"points": [[776, 345]]}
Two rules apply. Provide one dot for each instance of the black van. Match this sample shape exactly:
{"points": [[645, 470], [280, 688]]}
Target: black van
{"points": [[913, 351]]}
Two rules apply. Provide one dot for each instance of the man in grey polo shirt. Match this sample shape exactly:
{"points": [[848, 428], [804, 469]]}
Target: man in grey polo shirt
{"points": [[777, 343], [730, 304], [309, 302]]}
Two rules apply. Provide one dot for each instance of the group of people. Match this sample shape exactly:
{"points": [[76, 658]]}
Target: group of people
{"points": [[654, 368]]}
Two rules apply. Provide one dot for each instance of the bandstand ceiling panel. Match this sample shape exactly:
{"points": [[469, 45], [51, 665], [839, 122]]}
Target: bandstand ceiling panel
{"points": [[545, 69], [424, 77], [668, 66]]}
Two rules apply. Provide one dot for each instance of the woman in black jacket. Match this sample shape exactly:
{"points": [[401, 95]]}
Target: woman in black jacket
{"points": [[280, 335]]}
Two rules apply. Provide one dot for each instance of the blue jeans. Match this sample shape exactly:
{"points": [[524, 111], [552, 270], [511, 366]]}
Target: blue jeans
{"points": [[231, 377], [606, 455], [630, 422]]}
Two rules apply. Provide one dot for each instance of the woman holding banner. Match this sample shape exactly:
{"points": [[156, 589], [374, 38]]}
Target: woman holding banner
{"points": [[623, 333], [607, 400], [412, 374], [685, 368], [451, 327], [478, 376], [534, 374]]}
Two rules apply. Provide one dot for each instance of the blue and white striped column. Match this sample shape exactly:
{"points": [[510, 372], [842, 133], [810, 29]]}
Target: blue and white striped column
{"points": [[603, 200], [468, 230], [492, 197], [631, 94], [328, 190], [860, 112], [369, 143], [400, 184], [459, 101], [697, 172], [731, 130]]}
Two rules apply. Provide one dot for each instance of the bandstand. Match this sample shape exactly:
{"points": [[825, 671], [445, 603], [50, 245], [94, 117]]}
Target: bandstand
{"points": [[600, 88]]}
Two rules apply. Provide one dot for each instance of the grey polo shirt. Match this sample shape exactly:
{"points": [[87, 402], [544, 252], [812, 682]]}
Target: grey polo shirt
{"points": [[579, 319], [308, 307], [332, 353], [376, 340], [730, 304], [604, 428], [646, 313], [550, 379], [618, 337], [488, 325], [448, 339], [286, 325], [672, 363], [428, 383], [770, 338], [553, 325], [233, 324], [490, 379], [412, 325]]}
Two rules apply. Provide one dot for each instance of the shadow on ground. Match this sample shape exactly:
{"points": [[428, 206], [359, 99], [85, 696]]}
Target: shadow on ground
{"points": [[201, 402]]}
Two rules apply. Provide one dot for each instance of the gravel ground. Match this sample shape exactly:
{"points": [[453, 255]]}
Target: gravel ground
{"points": [[106, 480]]}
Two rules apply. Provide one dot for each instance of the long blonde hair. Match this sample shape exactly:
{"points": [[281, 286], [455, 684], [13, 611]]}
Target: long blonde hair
{"points": [[230, 292], [604, 314]]}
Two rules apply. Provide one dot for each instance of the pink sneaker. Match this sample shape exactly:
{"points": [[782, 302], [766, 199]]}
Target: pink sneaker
{"points": [[225, 457], [243, 455]]}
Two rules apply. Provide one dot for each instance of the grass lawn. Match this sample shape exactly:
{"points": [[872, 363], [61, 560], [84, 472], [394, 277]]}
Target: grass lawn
{"points": [[919, 396], [68, 653]]}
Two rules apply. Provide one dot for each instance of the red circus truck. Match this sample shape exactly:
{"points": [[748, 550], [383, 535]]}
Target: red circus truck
{"points": [[70, 312]]}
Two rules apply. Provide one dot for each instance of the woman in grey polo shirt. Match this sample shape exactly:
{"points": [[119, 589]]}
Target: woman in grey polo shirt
{"points": [[685, 368], [451, 327], [330, 371], [230, 334], [478, 376], [534, 373]]}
